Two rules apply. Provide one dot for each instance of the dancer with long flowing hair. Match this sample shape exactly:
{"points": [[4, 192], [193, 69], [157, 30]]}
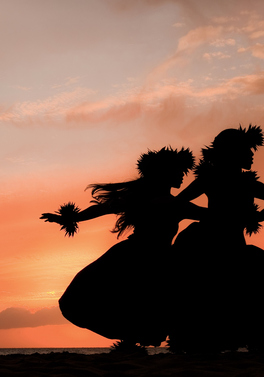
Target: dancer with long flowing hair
{"points": [[123, 294]]}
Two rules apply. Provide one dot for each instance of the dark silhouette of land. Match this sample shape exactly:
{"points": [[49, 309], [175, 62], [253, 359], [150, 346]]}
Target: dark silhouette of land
{"points": [[105, 365]]}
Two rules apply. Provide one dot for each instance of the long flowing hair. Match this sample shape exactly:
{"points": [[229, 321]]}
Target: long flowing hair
{"points": [[124, 198]]}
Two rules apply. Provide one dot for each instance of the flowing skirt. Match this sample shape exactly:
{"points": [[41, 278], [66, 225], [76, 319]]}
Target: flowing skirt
{"points": [[219, 293], [115, 296]]}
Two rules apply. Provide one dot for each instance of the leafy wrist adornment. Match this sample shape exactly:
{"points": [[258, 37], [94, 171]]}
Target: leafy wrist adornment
{"points": [[69, 218]]}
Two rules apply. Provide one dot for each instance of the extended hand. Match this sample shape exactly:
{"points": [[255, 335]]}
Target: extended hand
{"points": [[51, 218]]}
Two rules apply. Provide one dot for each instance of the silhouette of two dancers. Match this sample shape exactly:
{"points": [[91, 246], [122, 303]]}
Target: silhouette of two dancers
{"points": [[213, 280], [123, 294]]}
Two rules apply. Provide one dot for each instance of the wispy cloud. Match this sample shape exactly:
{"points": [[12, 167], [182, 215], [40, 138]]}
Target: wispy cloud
{"points": [[11, 318], [223, 42], [254, 25], [216, 40], [52, 108], [154, 102], [146, 101], [219, 55], [67, 82], [23, 88], [129, 106], [256, 50], [252, 84], [186, 46]]}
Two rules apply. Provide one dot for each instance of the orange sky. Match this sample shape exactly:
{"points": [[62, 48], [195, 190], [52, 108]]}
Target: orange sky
{"points": [[87, 86]]}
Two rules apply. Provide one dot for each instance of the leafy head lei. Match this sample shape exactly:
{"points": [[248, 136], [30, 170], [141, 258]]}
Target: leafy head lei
{"points": [[153, 163], [231, 140]]}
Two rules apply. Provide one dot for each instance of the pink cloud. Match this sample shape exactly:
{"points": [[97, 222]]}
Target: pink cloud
{"points": [[186, 46], [253, 23], [53, 107], [257, 50], [233, 88], [102, 111], [11, 318], [224, 42], [253, 84], [130, 106], [218, 55], [148, 101], [163, 104], [224, 20], [196, 37], [258, 33]]}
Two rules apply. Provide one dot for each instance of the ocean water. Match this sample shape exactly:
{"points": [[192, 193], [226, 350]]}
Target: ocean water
{"points": [[84, 351]]}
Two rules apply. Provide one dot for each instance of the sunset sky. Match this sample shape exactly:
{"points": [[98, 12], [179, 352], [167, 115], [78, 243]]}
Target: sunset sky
{"points": [[86, 87]]}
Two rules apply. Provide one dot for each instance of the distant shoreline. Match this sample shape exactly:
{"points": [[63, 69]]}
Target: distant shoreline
{"points": [[231, 364], [77, 350]]}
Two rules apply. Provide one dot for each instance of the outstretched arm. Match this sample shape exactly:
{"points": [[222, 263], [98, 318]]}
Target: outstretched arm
{"points": [[193, 191], [259, 190], [194, 212], [89, 213], [190, 210], [96, 210], [259, 194], [51, 218]]}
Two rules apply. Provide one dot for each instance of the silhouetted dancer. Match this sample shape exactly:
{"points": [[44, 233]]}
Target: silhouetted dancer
{"points": [[221, 277], [123, 294]]}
